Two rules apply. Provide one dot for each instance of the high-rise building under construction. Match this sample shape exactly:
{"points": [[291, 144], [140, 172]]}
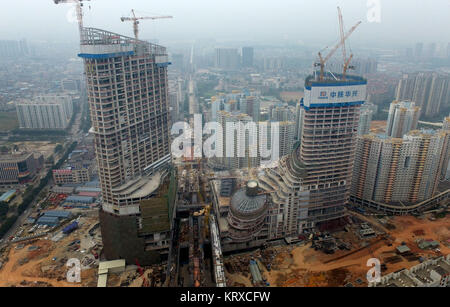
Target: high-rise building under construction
{"points": [[128, 98], [311, 185], [401, 171]]}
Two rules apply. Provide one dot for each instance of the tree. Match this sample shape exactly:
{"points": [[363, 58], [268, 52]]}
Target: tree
{"points": [[58, 148]]}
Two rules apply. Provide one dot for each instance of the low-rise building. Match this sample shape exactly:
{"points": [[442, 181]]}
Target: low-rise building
{"points": [[430, 273], [19, 168]]}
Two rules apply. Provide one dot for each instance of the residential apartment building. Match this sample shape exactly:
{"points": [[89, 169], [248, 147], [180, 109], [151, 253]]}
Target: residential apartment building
{"points": [[403, 117], [430, 91], [45, 112], [399, 170]]}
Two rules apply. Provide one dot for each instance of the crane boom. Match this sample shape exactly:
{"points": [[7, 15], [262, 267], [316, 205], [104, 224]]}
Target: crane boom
{"points": [[144, 18], [135, 21], [330, 54], [341, 30]]}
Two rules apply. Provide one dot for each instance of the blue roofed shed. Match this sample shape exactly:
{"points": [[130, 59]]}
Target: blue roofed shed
{"points": [[58, 214]]}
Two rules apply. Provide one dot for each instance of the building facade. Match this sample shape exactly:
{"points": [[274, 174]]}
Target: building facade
{"points": [[310, 186], [45, 112], [227, 58], [399, 170], [19, 168], [129, 105], [247, 56], [403, 117], [430, 91]]}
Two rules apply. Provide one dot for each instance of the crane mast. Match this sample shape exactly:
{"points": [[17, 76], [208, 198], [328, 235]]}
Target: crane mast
{"points": [[323, 60], [135, 21], [79, 10]]}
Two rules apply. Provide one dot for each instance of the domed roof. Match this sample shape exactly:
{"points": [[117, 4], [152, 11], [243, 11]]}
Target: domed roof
{"points": [[247, 202]]}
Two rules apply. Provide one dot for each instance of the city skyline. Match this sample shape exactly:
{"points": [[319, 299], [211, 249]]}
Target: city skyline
{"points": [[241, 144], [405, 21]]}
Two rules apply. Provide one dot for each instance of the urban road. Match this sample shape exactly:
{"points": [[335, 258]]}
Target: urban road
{"points": [[77, 135]]}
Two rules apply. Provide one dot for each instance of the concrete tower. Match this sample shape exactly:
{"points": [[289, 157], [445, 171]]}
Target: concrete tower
{"points": [[128, 98]]}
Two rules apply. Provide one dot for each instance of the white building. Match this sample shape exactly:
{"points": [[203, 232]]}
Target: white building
{"points": [[45, 112], [403, 117], [430, 273]]}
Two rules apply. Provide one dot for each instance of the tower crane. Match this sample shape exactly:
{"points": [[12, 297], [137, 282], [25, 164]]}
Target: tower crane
{"points": [[344, 51], [135, 21], [323, 60], [79, 9]]}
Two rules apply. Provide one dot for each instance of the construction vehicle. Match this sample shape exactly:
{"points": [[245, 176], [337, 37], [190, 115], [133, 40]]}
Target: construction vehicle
{"points": [[135, 21], [323, 60]]}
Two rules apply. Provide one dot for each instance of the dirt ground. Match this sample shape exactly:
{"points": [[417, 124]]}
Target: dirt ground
{"points": [[46, 148], [45, 263], [303, 266]]}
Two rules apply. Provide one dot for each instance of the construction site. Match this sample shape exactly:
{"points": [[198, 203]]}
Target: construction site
{"points": [[40, 259], [195, 241], [339, 258]]}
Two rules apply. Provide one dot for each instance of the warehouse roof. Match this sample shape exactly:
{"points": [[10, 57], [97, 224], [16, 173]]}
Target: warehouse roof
{"points": [[7, 195], [57, 214], [48, 220], [78, 198]]}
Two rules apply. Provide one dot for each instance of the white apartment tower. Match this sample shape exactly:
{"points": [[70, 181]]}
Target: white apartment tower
{"points": [[403, 117], [45, 112]]}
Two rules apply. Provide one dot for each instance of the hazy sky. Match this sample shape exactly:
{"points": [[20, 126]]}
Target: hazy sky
{"points": [[309, 21]]}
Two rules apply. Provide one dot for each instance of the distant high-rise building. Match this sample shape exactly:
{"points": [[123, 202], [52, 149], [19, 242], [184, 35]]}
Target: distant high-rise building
{"points": [[243, 102], [446, 154], [178, 61], [235, 145], [403, 117], [431, 50], [71, 85], [364, 121], [14, 49], [250, 105], [281, 113], [247, 56], [127, 87], [286, 134], [362, 66], [430, 91], [45, 112], [439, 94], [271, 64], [174, 106], [227, 58], [398, 170], [418, 51]]}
